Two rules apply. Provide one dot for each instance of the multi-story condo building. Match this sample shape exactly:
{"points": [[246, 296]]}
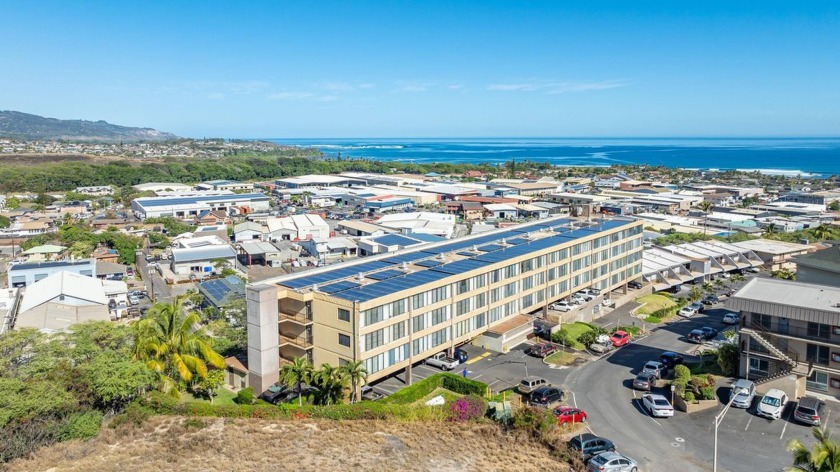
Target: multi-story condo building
{"points": [[790, 335], [395, 310]]}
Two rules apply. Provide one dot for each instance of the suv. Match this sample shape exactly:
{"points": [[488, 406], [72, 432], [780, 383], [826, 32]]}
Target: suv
{"points": [[711, 300], [588, 445], [670, 359], [743, 391], [655, 368], [545, 396], [531, 383], [542, 350], [772, 404], [809, 411]]}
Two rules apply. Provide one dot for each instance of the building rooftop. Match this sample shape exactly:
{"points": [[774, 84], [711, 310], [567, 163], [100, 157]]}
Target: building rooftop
{"points": [[202, 253], [795, 295], [169, 201], [518, 240], [828, 259], [770, 246], [50, 264]]}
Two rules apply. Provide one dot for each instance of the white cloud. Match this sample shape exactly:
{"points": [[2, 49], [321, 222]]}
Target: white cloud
{"points": [[290, 95], [557, 87]]}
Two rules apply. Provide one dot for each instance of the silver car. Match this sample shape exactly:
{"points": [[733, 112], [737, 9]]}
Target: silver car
{"points": [[611, 462], [743, 391]]}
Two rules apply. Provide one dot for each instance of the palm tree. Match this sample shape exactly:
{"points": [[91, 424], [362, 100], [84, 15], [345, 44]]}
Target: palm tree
{"points": [[331, 383], [823, 457], [706, 207], [174, 345], [696, 293], [357, 374], [822, 232], [296, 374]]}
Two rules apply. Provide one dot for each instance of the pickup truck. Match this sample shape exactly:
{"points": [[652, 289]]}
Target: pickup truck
{"points": [[442, 361]]}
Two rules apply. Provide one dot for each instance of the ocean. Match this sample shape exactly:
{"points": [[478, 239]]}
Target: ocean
{"points": [[809, 157]]}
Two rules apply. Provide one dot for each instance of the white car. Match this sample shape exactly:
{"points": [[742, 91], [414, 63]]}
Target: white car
{"points": [[686, 311], [588, 297], [578, 299], [772, 404], [562, 305], [725, 275], [731, 318], [657, 405]]}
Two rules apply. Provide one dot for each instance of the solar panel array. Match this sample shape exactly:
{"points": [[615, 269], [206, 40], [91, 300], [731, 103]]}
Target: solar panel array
{"points": [[396, 240], [170, 201], [391, 280]]}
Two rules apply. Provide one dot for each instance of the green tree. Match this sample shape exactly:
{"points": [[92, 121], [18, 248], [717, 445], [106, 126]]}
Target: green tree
{"points": [[81, 249], [356, 374], [706, 207], [696, 293], [824, 456], [43, 199], [12, 203], [4, 222], [206, 387], [822, 232], [834, 206], [296, 374], [114, 381], [784, 273], [330, 383], [174, 345], [35, 241]]}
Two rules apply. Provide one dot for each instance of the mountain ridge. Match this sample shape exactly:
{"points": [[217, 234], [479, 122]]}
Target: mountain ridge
{"points": [[29, 127]]}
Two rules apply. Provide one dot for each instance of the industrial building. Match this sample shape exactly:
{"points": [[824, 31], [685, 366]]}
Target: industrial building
{"points": [[27, 273], [184, 207], [394, 310]]}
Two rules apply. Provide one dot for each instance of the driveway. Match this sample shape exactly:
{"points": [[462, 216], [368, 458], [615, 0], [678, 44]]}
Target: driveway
{"points": [[685, 442]]}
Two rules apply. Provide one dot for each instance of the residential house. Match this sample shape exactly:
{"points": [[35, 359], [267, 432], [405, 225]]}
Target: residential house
{"points": [[330, 248], [249, 231], [45, 252], [297, 228], [260, 252], [27, 273]]}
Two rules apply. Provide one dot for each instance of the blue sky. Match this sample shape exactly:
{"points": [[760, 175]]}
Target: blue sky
{"points": [[429, 69]]}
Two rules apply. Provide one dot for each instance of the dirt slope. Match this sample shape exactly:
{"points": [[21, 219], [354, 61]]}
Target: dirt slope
{"points": [[172, 443]]}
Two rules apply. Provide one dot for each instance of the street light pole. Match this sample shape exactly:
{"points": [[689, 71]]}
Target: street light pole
{"points": [[718, 421]]}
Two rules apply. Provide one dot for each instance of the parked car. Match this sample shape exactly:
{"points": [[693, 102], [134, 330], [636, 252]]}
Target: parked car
{"points": [[709, 333], [744, 392], [611, 462], [620, 338], [772, 404], [545, 396], [644, 381], [133, 299], [563, 306], [602, 344], [541, 330], [541, 350], [695, 336], [754, 270], [731, 318], [711, 300], [442, 361], [656, 368], [670, 359], [275, 393], [634, 284], [567, 414], [531, 383], [577, 299], [809, 410], [657, 405], [698, 307], [589, 445], [686, 311], [587, 294]]}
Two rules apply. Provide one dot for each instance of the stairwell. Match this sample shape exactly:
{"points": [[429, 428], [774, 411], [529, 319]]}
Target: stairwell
{"points": [[790, 359]]}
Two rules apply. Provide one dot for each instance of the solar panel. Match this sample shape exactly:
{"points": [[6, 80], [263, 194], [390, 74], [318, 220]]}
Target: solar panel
{"points": [[385, 274], [338, 287], [336, 274], [466, 254], [390, 286], [395, 240], [459, 267], [428, 263], [490, 248], [410, 257], [517, 241]]}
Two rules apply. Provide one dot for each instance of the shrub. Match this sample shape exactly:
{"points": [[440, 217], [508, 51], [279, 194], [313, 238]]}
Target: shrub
{"points": [[462, 385], [470, 407], [245, 396], [682, 372], [416, 391], [689, 397], [589, 337], [679, 386], [563, 337], [652, 319], [81, 426], [535, 421], [633, 330], [135, 414], [707, 393]]}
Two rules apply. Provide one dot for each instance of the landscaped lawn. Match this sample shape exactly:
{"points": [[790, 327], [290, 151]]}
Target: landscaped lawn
{"points": [[223, 397], [448, 395], [560, 358], [653, 302]]}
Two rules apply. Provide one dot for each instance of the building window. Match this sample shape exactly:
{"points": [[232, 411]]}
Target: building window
{"points": [[343, 315], [819, 330], [374, 339], [818, 381], [344, 340], [817, 354]]}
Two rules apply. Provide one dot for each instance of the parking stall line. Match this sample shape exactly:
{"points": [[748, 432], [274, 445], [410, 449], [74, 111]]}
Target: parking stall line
{"points": [[790, 413], [748, 423], [477, 358]]}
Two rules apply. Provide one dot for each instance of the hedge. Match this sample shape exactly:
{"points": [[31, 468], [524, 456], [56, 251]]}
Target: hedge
{"points": [[451, 382]]}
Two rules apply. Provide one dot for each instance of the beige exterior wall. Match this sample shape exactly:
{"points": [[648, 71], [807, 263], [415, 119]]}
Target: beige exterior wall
{"points": [[395, 343]]}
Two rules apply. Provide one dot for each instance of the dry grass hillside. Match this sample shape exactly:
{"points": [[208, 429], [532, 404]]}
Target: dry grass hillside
{"points": [[175, 443]]}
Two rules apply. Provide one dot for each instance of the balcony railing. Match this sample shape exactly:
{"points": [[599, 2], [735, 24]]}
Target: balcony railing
{"points": [[795, 332], [304, 341], [304, 318]]}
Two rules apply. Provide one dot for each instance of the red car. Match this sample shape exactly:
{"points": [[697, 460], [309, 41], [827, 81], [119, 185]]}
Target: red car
{"points": [[567, 414], [620, 338]]}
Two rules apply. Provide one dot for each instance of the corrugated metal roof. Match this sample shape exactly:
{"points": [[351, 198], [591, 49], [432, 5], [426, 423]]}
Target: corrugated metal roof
{"points": [[202, 253]]}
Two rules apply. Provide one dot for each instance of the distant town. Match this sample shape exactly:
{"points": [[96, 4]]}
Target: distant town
{"points": [[403, 274]]}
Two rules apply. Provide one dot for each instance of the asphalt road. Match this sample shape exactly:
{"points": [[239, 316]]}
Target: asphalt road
{"points": [[685, 442]]}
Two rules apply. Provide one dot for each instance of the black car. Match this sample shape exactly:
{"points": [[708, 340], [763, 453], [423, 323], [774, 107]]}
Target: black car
{"points": [[670, 359], [709, 333], [461, 355], [275, 394], [711, 300], [696, 336], [545, 396], [589, 445], [542, 331], [634, 284]]}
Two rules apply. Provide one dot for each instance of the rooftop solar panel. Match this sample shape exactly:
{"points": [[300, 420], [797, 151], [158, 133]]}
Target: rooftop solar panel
{"points": [[336, 274], [395, 240], [490, 248], [517, 241], [385, 274], [459, 267], [428, 263], [410, 257], [466, 254], [338, 287], [386, 287]]}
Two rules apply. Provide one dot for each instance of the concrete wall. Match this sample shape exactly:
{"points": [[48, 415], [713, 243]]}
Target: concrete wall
{"points": [[263, 342]]}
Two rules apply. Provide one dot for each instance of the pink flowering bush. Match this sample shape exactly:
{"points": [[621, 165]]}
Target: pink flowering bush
{"points": [[470, 407]]}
